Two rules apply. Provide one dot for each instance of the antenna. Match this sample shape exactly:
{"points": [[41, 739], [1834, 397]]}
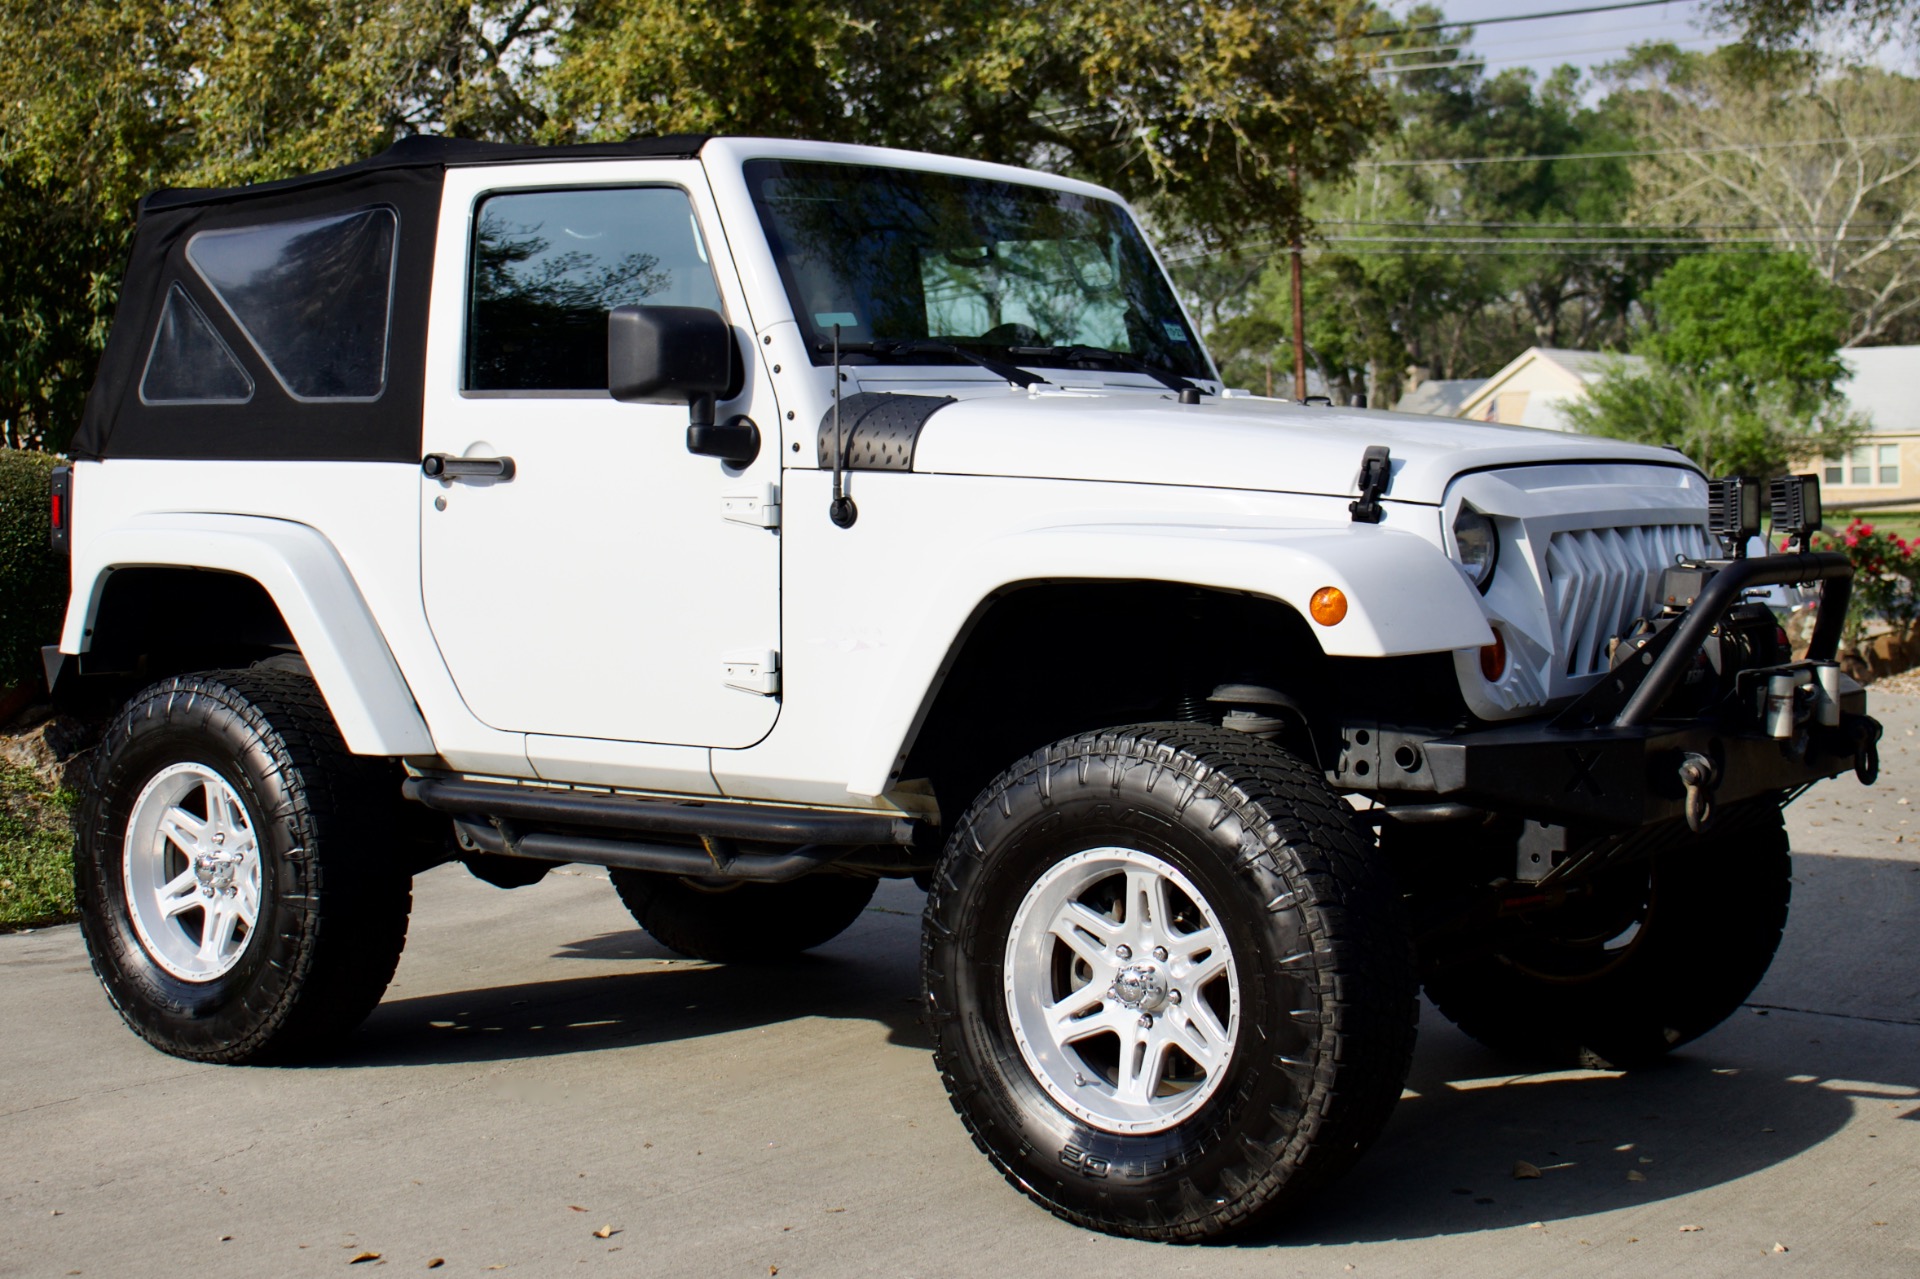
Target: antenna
{"points": [[841, 510]]}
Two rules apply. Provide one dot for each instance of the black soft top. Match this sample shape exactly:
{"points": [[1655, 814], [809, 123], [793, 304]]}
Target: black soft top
{"points": [[273, 423]]}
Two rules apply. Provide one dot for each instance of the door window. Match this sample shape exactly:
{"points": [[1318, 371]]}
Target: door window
{"points": [[547, 266]]}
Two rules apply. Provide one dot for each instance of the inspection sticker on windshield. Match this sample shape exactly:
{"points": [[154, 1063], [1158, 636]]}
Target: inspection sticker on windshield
{"points": [[1175, 332], [827, 319]]}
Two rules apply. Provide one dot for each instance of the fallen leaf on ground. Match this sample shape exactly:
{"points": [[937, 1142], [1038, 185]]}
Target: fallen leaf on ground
{"points": [[1779, 1247], [575, 1208], [1687, 1230], [605, 1232], [436, 1263], [1538, 1225], [1633, 1175], [359, 1257], [226, 1238], [773, 1270], [1524, 1171]]}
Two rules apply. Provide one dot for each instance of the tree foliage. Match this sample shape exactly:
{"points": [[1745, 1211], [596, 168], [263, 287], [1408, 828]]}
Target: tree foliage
{"points": [[1819, 161], [1748, 320], [1201, 111], [1741, 368], [1403, 274]]}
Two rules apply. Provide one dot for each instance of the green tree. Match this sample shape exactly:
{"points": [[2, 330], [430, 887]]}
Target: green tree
{"points": [[1403, 273], [1747, 321], [1741, 368], [1200, 111]]}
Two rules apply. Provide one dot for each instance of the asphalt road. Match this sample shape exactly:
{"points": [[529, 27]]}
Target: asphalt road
{"points": [[541, 1071]]}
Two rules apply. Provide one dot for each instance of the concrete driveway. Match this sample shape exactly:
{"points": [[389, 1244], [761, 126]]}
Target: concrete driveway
{"points": [[541, 1071]]}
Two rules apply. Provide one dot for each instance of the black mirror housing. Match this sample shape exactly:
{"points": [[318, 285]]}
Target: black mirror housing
{"points": [[669, 355]]}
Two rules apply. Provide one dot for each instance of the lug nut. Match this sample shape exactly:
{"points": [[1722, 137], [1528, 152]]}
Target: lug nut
{"points": [[1160, 953], [1173, 996], [1146, 1019], [1123, 953]]}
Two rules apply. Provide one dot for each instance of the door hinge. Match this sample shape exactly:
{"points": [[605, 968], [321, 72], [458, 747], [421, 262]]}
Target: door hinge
{"points": [[755, 671], [759, 509]]}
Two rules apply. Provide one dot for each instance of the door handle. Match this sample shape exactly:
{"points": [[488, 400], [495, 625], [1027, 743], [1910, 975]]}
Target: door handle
{"points": [[445, 466]]}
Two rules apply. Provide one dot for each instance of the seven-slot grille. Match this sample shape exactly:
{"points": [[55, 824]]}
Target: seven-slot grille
{"points": [[1601, 579]]}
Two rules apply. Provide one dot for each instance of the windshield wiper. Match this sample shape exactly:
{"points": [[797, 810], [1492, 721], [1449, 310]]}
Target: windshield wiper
{"points": [[888, 347], [1091, 354]]}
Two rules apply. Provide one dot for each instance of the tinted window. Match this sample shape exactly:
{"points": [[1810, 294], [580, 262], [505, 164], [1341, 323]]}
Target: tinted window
{"points": [[313, 297], [188, 362], [549, 265]]}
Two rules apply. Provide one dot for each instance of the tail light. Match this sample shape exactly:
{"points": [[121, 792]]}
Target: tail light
{"points": [[62, 508]]}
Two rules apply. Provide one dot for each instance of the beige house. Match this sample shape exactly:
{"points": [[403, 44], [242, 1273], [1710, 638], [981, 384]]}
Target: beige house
{"points": [[1533, 389]]}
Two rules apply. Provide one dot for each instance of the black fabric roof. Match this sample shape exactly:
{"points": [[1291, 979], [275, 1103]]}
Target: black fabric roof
{"points": [[425, 152]]}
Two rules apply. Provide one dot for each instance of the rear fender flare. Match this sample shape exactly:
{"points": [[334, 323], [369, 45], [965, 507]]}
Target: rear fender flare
{"points": [[308, 582]]}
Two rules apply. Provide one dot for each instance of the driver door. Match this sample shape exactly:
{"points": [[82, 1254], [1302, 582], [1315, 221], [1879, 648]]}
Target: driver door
{"points": [[594, 580]]}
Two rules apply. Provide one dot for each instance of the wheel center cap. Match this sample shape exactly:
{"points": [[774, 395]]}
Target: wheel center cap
{"points": [[1140, 986]]}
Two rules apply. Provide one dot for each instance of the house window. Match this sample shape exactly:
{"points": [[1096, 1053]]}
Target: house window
{"points": [[1868, 465]]}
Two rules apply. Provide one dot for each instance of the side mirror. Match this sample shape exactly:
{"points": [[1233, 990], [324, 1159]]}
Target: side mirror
{"points": [[681, 355]]}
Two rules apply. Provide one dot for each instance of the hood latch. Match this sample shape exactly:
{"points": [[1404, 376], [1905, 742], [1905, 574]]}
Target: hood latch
{"points": [[1376, 474]]}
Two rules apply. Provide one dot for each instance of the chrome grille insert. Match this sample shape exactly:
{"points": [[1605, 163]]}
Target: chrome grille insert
{"points": [[1601, 579]]}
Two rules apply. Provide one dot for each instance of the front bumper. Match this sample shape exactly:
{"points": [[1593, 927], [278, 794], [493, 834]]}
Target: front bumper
{"points": [[1611, 759]]}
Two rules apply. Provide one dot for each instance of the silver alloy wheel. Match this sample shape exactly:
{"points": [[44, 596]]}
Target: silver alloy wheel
{"points": [[192, 871], [1122, 990]]}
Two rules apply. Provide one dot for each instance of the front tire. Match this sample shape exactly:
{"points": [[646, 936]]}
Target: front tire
{"points": [[1656, 954], [1169, 980], [241, 896]]}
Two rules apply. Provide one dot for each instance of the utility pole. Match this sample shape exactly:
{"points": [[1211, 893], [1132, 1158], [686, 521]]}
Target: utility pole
{"points": [[1299, 300]]}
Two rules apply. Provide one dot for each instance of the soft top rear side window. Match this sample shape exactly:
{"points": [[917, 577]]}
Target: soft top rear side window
{"points": [[314, 297], [189, 362]]}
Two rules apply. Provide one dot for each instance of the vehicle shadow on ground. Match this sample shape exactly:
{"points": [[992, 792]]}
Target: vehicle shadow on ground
{"points": [[666, 1000], [1754, 1094]]}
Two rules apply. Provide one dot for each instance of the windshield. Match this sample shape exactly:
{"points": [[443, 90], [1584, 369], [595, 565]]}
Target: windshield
{"points": [[1019, 272]]}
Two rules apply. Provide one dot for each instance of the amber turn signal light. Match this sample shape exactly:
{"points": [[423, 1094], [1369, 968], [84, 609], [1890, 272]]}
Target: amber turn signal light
{"points": [[1328, 605], [1493, 658]]}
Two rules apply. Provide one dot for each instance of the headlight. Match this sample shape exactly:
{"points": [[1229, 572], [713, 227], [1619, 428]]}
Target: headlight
{"points": [[1478, 545]]}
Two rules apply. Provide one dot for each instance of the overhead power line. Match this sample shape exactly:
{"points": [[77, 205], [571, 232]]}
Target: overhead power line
{"points": [[1634, 155], [1475, 60], [1515, 17]]}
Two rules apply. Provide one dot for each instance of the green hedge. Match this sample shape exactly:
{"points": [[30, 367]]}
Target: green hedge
{"points": [[33, 580]]}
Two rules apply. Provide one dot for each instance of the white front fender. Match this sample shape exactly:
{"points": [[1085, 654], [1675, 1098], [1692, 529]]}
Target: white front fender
{"points": [[1403, 597], [308, 582]]}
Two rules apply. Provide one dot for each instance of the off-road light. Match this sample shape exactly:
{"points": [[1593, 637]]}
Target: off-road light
{"points": [[1795, 500], [1477, 543], [1733, 512]]}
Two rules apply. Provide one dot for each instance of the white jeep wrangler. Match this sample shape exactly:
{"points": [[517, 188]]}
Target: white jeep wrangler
{"points": [[759, 519]]}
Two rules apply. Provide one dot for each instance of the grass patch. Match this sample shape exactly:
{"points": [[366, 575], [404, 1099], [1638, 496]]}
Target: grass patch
{"points": [[36, 851]]}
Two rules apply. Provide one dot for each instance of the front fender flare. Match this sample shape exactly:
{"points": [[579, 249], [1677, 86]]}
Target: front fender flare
{"points": [[308, 582], [1404, 596]]}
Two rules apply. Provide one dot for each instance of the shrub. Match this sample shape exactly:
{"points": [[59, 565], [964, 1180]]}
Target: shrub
{"points": [[1884, 568], [33, 580]]}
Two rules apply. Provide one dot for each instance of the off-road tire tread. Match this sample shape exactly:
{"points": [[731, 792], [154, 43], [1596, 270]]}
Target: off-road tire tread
{"points": [[1362, 964], [1728, 897], [352, 915]]}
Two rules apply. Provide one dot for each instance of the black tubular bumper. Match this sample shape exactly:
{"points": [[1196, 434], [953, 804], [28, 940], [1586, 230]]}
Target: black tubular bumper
{"points": [[1610, 758]]}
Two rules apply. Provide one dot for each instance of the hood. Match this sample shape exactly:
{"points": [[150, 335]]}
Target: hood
{"points": [[1239, 443]]}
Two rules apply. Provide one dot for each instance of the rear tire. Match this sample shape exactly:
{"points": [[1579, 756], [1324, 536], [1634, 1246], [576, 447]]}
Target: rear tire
{"points": [[242, 883], [744, 922], [1169, 980], [1659, 954]]}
